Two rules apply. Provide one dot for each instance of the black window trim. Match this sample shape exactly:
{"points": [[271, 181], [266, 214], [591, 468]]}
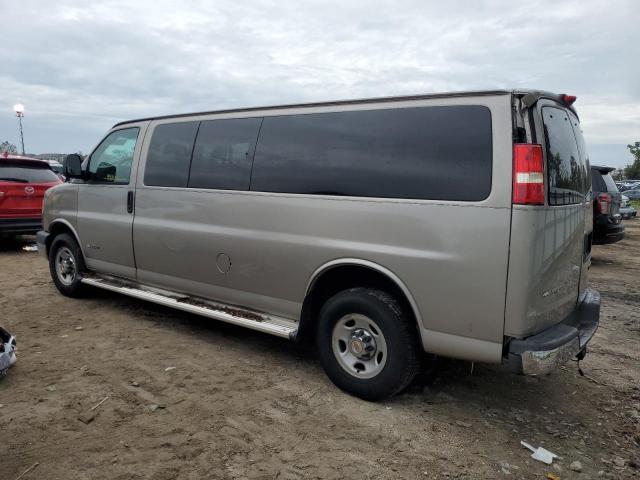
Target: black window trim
{"points": [[252, 151], [193, 149], [552, 104], [187, 119], [394, 199], [145, 161], [195, 139]]}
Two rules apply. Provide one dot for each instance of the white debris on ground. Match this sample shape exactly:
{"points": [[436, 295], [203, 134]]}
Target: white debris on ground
{"points": [[7, 351]]}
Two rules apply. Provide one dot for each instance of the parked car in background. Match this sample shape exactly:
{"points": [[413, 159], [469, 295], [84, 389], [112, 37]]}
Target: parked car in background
{"points": [[56, 166], [633, 194], [458, 224], [607, 221], [626, 210], [628, 185], [23, 182]]}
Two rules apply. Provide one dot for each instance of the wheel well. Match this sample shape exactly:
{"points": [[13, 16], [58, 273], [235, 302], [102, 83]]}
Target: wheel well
{"points": [[343, 277], [56, 229]]}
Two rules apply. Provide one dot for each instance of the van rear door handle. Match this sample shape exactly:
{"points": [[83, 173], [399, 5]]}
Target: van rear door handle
{"points": [[130, 201]]}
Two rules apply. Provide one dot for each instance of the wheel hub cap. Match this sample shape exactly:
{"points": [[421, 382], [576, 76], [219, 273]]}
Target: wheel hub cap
{"points": [[362, 345], [65, 266], [359, 345]]}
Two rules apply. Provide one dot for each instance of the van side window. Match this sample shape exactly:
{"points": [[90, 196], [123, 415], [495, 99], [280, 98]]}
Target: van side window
{"points": [[111, 161], [170, 154], [438, 153], [223, 154], [568, 170]]}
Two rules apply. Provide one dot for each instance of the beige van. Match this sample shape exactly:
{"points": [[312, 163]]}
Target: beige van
{"points": [[455, 224]]}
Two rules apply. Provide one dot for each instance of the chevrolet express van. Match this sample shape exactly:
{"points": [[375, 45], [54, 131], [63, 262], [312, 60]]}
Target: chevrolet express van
{"points": [[455, 224]]}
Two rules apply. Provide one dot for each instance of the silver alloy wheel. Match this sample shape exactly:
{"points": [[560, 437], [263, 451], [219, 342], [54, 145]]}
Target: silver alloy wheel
{"points": [[359, 345], [65, 266]]}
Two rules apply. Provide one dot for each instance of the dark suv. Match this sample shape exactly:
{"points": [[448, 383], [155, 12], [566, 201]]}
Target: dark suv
{"points": [[607, 221]]}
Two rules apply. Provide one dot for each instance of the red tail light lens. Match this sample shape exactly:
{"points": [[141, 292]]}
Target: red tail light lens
{"points": [[604, 202], [568, 99], [528, 174]]}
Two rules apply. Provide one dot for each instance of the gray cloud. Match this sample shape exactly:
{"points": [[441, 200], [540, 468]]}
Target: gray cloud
{"points": [[80, 67]]}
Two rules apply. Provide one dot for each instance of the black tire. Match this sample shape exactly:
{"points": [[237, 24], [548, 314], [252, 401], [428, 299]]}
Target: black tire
{"points": [[399, 334], [72, 287]]}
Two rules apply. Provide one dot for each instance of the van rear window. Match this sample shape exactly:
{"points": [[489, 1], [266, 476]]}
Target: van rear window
{"points": [[567, 165], [437, 153]]}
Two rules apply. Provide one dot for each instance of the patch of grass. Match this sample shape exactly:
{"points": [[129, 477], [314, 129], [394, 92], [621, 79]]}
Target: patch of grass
{"points": [[635, 204]]}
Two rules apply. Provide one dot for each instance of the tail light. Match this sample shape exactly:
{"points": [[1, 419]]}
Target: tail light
{"points": [[604, 202], [528, 174]]}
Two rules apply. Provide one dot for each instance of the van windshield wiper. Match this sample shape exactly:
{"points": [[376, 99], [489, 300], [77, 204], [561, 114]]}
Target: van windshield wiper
{"points": [[13, 179]]}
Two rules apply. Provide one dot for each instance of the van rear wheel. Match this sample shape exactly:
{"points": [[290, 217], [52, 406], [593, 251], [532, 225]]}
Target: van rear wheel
{"points": [[66, 265], [368, 346]]}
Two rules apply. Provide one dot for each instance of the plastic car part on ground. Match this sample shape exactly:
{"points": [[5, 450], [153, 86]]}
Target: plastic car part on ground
{"points": [[7, 351], [540, 454]]}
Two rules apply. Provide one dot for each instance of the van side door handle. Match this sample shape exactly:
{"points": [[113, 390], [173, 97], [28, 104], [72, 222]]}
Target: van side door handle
{"points": [[130, 201]]}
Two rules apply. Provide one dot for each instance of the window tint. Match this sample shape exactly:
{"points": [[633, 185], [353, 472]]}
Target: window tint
{"points": [[568, 169], [169, 154], [223, 154], [111, 161], [597, 181], [582, 148], [422, 153], [12, 173]]}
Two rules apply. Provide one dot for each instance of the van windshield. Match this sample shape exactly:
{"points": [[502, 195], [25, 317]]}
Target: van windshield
{"points": [[567, 161]]}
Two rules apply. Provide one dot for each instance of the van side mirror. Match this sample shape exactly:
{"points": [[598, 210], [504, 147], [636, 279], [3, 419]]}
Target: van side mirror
{"points": [[73, 166]]}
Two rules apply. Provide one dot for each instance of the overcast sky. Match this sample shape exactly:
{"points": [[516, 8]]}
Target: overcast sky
{"points": [[79, 67]]}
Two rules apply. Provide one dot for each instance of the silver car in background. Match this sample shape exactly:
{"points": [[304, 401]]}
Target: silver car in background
{"points": [[455, 224]]}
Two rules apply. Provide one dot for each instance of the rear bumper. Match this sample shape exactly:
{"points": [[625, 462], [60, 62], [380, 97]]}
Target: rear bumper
{"points": [[41, 240], [544, 352], [609, 233], [20, 225]]}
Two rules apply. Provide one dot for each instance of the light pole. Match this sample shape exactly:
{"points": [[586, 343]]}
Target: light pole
{"points": [[19, 109]]}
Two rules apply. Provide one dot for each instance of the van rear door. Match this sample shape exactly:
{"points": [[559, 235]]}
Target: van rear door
{"points": [[550, 243]]}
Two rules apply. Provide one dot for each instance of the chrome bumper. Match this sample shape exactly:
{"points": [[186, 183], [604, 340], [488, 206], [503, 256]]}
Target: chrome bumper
{"points": [[544, 352]]}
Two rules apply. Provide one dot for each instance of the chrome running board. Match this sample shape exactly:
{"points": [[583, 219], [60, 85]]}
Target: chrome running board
{"points": [[259, 321]]}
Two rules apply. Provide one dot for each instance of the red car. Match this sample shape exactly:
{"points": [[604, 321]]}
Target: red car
{"points": [[23, 182]]}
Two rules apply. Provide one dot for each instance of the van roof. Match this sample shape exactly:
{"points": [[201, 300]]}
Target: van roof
{"points": [[532, 97]]}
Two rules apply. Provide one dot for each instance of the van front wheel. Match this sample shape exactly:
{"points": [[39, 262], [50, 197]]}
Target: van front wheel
{"points": [[66, 265], [368, 346]]}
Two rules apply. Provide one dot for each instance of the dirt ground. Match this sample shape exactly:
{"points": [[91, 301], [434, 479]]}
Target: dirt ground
{"points": [[190, 398]]}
